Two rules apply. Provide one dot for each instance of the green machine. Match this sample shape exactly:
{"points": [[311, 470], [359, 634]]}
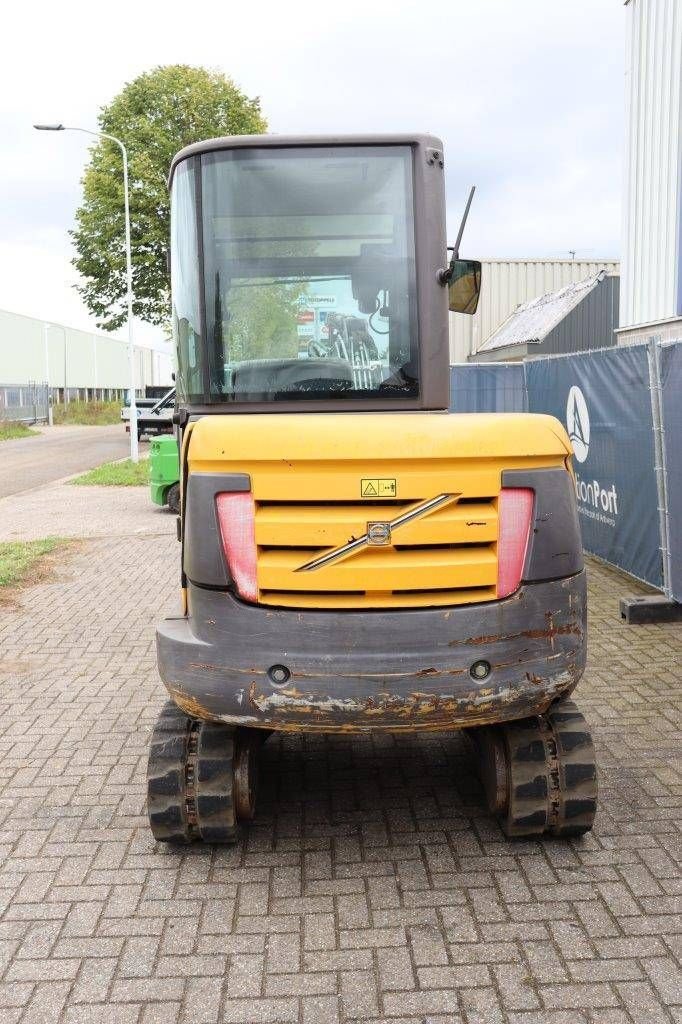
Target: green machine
{"points": [[164, 472]]}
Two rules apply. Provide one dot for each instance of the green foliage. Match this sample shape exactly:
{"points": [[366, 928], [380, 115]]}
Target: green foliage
{"points": [[9, 430], [88, 413], [155, 115], [262, 322], [20, 559], [116, 474]]}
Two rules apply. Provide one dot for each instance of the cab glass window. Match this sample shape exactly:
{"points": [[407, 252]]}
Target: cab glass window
{"points": [[185, 286], [309, 274]]}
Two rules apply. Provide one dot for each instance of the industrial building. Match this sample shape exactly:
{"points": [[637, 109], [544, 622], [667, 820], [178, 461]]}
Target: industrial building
{"points": [[575, 318], [88, 365], [505, 285], [651, 286]]}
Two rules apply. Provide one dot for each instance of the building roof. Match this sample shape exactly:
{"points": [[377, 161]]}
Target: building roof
{"points": [[531, 322]]}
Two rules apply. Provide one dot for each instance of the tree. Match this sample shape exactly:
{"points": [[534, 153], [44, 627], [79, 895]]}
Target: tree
{"points": [[155, 115]]}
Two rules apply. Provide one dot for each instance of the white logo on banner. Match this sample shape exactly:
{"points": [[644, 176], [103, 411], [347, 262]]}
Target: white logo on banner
{"points": [[578, 423]]}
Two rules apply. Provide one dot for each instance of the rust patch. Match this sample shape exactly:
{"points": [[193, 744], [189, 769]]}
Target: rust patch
{"points": [[190, 705], [417, 711], [293, 709], [534, 679], [253, 689], [550, 633]]}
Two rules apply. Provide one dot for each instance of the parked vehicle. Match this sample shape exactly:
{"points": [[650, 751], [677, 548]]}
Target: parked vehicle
{"points": [[355, 559], [154, 414], [164, 472]]}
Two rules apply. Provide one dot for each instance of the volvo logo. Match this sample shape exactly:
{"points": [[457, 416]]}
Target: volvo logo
{"points": [[378, 534], [578, 423]]}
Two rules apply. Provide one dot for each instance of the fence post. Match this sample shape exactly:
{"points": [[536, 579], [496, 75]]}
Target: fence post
{"points": [[654, 359]]}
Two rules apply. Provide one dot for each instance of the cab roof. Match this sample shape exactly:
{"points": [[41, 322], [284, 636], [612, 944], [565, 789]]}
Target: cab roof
{"points": [[280, 141]]}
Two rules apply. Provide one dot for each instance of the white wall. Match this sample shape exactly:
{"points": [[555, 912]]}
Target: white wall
{"points": [[505, 284], [651, 276], [33, 350]]}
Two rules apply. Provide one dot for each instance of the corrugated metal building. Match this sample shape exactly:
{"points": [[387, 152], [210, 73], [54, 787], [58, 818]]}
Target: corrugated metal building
{"points": [[575, 318], [94, 365], [508, 283], [651, 285]]}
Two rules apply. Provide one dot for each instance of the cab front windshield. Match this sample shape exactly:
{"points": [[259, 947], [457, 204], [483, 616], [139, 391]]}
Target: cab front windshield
{"points": [[308, 287]]}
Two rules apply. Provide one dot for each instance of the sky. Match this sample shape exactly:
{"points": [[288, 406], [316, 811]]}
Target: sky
{"points": [[527, 96]]}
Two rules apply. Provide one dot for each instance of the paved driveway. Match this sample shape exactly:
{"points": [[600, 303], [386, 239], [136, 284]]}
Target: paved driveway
{"points": [[371, 888], [58, 452]]}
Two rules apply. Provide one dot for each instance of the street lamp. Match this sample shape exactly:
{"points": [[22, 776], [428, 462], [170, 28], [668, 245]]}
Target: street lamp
{"points": [[134, 455]]}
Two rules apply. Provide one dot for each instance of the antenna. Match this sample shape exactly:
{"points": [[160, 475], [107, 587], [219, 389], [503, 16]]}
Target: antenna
{"points": [[455, 251]]}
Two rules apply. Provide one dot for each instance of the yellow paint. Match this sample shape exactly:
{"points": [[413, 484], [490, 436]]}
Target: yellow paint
{"points": [[331, 526], [382, 569], [309, 473], [360, 437]]}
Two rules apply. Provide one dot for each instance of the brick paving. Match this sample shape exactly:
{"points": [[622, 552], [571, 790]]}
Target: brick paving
{"points": [[372, 887]]}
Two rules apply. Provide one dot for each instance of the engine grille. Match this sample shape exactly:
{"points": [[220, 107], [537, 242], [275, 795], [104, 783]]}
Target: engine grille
{"points": [[444, 557]]}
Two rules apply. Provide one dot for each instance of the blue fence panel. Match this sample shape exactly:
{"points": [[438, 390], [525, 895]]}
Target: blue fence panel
{"points": [[494, 387], [603, 399]]}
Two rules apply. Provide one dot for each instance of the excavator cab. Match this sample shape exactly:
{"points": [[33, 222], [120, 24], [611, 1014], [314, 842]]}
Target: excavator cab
{"points": [[355, 558]]}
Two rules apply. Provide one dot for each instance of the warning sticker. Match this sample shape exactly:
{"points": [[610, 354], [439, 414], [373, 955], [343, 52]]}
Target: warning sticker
{"points": [[378, 488]]}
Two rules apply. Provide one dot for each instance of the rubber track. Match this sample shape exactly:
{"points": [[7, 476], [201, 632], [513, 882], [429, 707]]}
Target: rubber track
{"points": [[216, 818], [528, 780], [166, 805], [552, 775], [189, 780], [577, 770]]}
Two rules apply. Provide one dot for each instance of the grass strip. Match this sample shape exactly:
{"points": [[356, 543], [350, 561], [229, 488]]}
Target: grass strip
{"points": [[116, 474], [24, 561], [10, 431]]}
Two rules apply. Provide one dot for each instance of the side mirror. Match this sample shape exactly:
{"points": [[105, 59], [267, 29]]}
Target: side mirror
{"points": [[464, 285]]}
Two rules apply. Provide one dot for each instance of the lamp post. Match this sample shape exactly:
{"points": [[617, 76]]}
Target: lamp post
{"points": [[66, 389], [134, 454]]}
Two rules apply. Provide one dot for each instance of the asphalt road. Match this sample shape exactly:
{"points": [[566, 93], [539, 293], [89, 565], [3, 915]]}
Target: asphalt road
{"points": [[58, 451]]}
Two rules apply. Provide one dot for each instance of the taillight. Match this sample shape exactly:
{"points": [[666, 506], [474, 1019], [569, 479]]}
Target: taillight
{"points": [[515, 515], [237, 521]]}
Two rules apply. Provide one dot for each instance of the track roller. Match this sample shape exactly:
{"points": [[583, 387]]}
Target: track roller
{"points": [[202, 778], [539, 774]]}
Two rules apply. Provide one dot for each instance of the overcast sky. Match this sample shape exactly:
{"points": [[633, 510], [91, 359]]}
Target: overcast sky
{"points": [[527, 95]]}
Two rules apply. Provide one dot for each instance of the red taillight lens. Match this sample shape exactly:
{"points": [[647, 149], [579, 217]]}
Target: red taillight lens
{"points": [[237, 521], [515, 514]]}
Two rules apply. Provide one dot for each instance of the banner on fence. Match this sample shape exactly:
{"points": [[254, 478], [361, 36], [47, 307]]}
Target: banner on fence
{"points": [[603, 399]]}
